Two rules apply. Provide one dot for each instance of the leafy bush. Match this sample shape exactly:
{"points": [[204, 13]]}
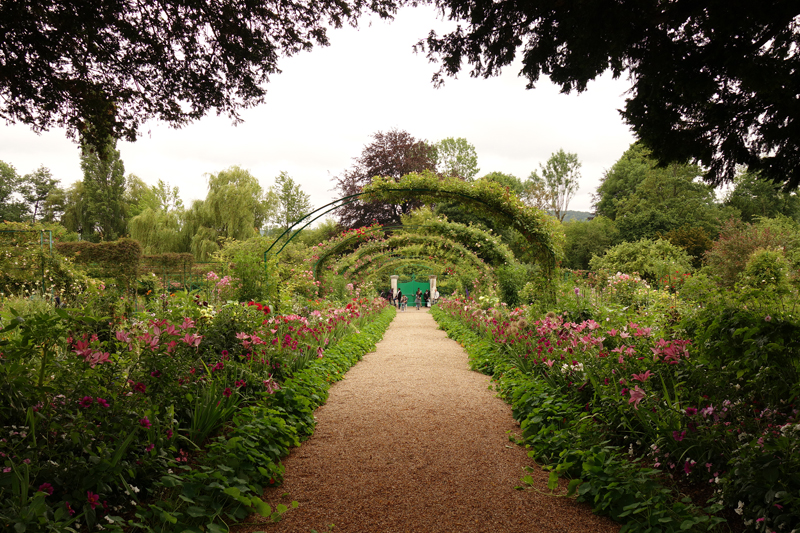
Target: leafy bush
{"points": [[653, 260]]}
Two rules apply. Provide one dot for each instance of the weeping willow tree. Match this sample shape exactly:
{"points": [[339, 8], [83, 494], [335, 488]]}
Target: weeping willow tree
{"points": [[235, 208], [158, 231]]}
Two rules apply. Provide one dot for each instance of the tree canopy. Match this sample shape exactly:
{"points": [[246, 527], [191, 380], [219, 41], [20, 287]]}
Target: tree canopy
{"points": [[457, 158], [102, 68], [715, 81], [392, 154], [558, 181]]}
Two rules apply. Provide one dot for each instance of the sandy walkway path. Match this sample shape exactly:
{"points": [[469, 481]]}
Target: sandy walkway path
{"points": [[413, 441]]}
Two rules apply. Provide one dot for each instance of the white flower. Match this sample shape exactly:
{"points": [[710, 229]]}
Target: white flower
{"points": [[739, 508]]}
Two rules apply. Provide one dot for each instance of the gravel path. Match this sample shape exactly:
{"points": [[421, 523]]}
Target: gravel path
{"points": [[413, 441]]}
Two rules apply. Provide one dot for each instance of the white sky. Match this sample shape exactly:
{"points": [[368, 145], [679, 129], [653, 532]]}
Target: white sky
{"points": [[323, 108]]}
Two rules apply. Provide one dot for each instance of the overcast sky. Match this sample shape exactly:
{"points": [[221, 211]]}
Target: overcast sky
{"points": [[325, 105]]}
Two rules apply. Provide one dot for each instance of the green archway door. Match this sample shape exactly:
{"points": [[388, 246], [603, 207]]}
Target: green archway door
{"points": [[410, 289]]}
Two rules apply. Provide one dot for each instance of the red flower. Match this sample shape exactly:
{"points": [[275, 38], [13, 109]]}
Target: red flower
{"points": [[227, 393], [94, 499]]}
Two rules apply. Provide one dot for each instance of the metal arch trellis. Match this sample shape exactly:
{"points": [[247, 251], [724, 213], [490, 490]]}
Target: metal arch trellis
{"points": [[474, 259], [346, 200]]}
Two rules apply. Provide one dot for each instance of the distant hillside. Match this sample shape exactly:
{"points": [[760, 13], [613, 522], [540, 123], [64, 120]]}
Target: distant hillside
{"points": [[577, 215]]}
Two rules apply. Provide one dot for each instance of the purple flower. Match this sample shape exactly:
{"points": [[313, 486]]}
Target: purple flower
{"points": [[86, 401], [145, 423], [691, 411]]}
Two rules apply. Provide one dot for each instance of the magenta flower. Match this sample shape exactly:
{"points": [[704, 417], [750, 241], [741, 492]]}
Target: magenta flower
{"points": [[70, 510], [145, 423], [155, 373], [169, 434], [691, 411], [642, 377], [227, 392], [687, 467], [94, 499], [149, 448], [679, 436], [624, 391], [140, 387], [87, 401], [101, 402], [46, 487], [637, 395], [767, 318]]}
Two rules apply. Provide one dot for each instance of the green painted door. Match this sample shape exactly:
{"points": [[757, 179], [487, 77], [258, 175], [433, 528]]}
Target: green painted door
{"points": [[410, 289]]}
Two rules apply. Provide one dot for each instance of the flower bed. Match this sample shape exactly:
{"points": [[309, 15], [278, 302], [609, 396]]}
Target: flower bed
{"points": [[173, 422], [629, 408]]}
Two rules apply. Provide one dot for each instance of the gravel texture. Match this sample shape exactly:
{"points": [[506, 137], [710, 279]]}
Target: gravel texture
{"points": [[413, 441]]}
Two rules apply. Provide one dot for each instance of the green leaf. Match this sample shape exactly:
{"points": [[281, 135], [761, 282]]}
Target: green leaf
{"points": [[214, 528], [196, 512], [573, 485], [687, 524], [552, 481]]}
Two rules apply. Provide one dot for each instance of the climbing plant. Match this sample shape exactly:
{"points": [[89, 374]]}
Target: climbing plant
{"points": [[544, 242]]}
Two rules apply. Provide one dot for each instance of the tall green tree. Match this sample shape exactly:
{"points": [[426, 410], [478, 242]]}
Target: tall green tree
{"points": [[76, 216], [754, 197], [235, 208], [12, 208], [621, 180], [289, 202], [36, 187], [157, 224], [104, 187], [457, 158], [646, 200], [559, 179]]}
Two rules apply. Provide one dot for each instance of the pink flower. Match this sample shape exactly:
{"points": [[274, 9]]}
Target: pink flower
{"points": [[187, 323], [46, 487], [192, 339], [101, 402], [687, 467], [641, 377], [227, 392], [140, 387], [87, 401], [637, 395], [679, 436], [691, 411], [145, 422], [767, 318], [169, 434], [70, 510], [122, 336], [149, 448], [94, 499]]}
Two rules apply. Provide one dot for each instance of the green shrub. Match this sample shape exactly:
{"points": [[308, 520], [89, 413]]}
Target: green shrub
{"points": [[654, 260]]}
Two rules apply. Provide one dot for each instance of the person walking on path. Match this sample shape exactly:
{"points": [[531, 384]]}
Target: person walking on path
{"points": [[399, 298], [404, 303], [426, 298], [418, 298]]}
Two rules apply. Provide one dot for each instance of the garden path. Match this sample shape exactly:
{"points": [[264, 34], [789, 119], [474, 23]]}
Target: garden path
{"points": [[412, 440]]}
